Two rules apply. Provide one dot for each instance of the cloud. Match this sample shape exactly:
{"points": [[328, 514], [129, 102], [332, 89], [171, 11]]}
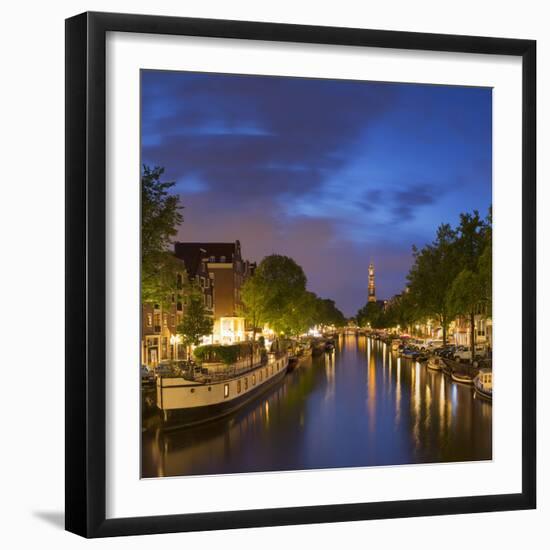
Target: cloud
{"points": [[408, 200], [246, 137]]}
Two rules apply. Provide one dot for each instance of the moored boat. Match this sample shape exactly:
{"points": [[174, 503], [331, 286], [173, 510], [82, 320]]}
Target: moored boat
{"points": [[462, 377], [483, 383], [222, 387], [464, 373], [329, 346], [434, 363]]}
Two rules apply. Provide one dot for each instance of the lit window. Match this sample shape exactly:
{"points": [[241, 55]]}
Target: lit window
{"points": [[222, 259], [149, 320], [253, 379], [226, 390]]}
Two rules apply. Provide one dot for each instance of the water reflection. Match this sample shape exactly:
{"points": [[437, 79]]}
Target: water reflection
{"points": [[360, 405]]}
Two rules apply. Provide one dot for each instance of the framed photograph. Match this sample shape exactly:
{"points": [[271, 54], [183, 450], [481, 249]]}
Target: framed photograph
{"points": [[317, 247]]}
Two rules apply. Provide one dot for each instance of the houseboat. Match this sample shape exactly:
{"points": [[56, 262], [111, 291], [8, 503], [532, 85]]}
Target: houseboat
{"points": [[483, 383], [227, 380]]}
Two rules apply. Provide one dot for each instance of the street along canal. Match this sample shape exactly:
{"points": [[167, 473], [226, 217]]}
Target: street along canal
{"points": [[360, 405]]}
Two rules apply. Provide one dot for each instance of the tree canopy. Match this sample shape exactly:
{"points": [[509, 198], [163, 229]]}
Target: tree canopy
{"points": [[276, 295], [160, 218], [195, 323]]}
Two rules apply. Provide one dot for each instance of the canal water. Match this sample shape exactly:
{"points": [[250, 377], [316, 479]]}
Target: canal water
{"points": [[361, 405]]}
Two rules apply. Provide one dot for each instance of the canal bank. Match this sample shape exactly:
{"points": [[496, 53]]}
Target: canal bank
{"points": [[359, 405]]}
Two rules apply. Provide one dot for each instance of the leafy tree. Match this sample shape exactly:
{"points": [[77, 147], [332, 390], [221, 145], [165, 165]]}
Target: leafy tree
{"points": [[465, 295], [195, 323], [328, 314], [281, 283], [298, 315], [166, 281], [370, 313], [485, 270], [471, 291], [431, 276], [160, 218], [254, 301], [473, 235]]}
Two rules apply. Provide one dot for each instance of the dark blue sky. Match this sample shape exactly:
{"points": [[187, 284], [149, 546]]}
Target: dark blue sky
{"points": [[332, 173]]}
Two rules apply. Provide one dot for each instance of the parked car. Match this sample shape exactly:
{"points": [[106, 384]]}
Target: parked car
{"points": [[147, 374], [411, 352], [432, 345], [164, 369], [447, 351], [464, 353]]}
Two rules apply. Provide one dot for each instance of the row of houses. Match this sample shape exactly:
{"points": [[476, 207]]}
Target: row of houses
{"points": [[220, 271], [458, 331]]}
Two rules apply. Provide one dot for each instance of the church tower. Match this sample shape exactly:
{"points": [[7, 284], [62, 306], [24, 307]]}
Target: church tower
{"points": [[372, 289]]}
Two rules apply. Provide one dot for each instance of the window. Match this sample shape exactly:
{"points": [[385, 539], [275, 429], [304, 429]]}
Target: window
{"points": [[261, 375], [165, 320], [245, 384], [222, 259], [238, 386], [226, 390], [149, 320], [209, 301], [212, 259], [253, 379]]}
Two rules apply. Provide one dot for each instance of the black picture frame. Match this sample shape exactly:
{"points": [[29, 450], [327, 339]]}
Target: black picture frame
{"points": [[86, 276]]}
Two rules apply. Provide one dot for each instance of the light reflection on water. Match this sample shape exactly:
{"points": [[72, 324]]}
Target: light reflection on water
{"points": [[360, 405]]}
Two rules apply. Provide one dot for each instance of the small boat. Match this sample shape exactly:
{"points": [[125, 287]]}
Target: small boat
{"points": [[396, 342], [460, 372], [462, 377], [435, 363], [329, 346], [483, 383]]}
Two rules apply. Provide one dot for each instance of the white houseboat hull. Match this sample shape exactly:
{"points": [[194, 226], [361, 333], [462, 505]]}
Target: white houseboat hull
{"points": [[186, 403]]}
